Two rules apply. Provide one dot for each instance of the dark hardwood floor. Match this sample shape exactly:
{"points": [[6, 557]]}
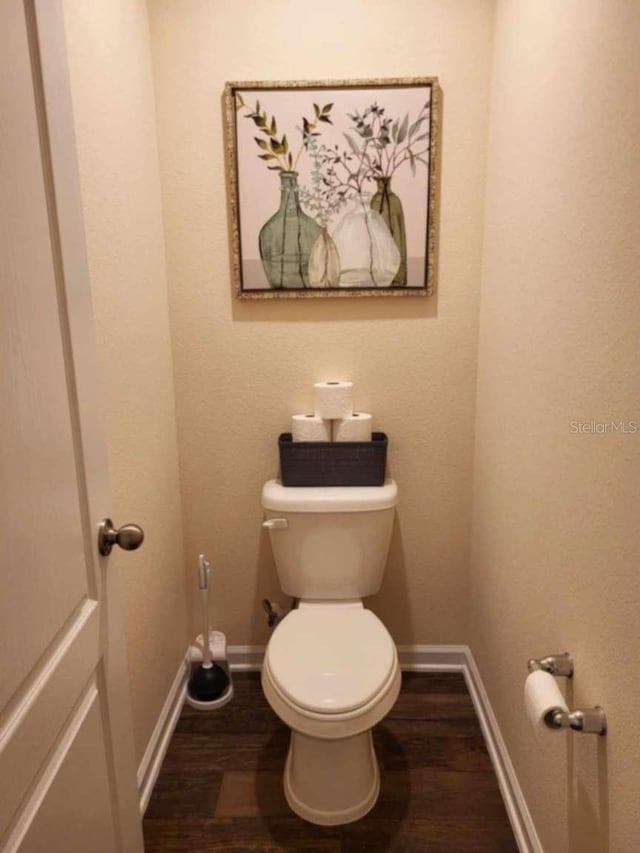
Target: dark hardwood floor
{"points": [[220, 787]]}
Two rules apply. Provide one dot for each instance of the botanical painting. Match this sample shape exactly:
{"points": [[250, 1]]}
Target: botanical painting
{"points": [[333, 187]]}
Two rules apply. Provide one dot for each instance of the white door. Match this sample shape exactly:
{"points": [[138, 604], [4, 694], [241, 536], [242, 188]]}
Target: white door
{"points": [[67, 776]]}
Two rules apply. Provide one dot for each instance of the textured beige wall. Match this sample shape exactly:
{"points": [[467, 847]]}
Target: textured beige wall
{"points": [[241, 368], [108, 44], [555, 551]]}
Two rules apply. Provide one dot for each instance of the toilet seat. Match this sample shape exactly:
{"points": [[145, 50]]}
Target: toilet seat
{"points": [[331, 660]]}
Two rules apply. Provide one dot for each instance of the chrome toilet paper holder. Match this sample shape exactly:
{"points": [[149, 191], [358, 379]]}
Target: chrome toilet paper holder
{"points": [[586, 720], [558, 665]]}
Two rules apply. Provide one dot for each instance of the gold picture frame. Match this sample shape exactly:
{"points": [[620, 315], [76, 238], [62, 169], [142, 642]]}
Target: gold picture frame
{"points": [[331, 144]]}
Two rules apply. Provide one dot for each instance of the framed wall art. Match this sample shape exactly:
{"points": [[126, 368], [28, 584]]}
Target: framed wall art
{"points": [[333, 187]]}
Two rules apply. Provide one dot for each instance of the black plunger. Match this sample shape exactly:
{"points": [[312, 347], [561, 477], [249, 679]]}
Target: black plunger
{"points": [[208, 680]]}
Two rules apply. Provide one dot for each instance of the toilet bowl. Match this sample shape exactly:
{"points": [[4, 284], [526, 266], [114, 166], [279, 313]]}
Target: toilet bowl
{"points": [[331, 673], [331, 669]]}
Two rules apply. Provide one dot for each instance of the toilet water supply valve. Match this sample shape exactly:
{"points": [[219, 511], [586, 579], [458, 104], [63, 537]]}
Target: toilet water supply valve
{"points": [[274, 613]]}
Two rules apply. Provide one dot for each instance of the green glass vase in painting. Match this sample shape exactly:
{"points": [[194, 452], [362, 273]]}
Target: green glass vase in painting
{"points": [[389, 206], [286, 239]]}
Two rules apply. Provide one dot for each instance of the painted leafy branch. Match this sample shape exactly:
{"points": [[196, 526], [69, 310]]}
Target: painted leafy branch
{"points": [[377, 146], [385, 143], [326, 196], [342, 172], [274, 147]]}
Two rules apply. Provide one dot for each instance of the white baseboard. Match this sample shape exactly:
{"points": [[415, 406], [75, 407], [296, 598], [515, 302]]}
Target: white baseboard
{"points": [[515, 803], [245, 658], [160, 737], [433, 658], [416, 658]]}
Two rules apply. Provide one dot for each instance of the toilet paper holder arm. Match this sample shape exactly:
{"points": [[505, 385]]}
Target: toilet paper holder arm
{"points": [[586, 720], [559, 665]]}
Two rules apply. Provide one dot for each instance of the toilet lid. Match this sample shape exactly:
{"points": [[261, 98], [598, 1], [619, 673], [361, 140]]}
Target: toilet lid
{"points": [[331, 659]]}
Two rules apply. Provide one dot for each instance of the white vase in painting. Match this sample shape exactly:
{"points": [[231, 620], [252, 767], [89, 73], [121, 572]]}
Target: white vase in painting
{"points": [[369, 256], [324, 262]]}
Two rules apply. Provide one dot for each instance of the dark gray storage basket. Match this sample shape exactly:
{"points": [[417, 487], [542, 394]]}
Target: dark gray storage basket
{"points": [[333, 463]]}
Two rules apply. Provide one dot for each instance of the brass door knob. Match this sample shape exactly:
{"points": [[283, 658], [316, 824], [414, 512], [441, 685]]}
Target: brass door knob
{"points": [[129, 537]]}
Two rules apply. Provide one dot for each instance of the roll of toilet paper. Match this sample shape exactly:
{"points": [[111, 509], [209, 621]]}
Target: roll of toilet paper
{"points": [[310, 428], [542, 696], [333, 400], [355, 427]]}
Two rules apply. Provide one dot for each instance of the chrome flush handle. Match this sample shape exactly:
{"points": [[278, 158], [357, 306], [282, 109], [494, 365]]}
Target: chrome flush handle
{"points": [[276, 524]]}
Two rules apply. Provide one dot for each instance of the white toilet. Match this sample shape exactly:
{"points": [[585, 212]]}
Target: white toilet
{"points": [[331, 669]]}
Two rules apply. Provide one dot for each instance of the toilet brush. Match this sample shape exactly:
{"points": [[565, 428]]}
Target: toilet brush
{"points": [[209, 685]]}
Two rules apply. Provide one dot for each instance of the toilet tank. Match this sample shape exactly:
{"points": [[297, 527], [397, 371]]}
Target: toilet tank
{"points": [[330, 542]]}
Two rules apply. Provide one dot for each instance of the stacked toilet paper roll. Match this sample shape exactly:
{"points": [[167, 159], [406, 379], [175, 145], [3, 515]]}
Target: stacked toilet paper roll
{"points": [[333, 399], [542, 697], [310, 428], [334, 418], [354, 427]]}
